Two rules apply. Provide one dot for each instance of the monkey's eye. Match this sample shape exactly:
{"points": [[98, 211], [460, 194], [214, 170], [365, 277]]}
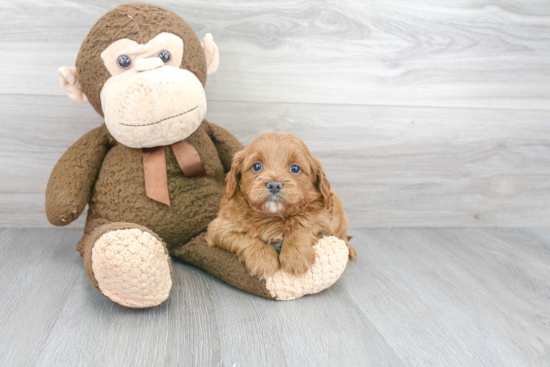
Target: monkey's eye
{"points": [[164, 56], [257, 167], [124, 62], [295, 169]]}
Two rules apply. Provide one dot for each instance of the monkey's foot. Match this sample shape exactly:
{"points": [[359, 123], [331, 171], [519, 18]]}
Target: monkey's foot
{"points": [[331, 257], [132, 268]]}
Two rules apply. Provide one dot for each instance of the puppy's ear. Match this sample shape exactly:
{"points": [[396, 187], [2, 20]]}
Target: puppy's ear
{"points": [[320, 180], [233, 177]]}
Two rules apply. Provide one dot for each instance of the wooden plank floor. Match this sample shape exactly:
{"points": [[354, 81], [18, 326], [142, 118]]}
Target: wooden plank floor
{"points": [[418, 297]]}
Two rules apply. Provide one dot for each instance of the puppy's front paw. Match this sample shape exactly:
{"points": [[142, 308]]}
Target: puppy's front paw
{"points": [[352, 251], [296, 260], [261, 260]]}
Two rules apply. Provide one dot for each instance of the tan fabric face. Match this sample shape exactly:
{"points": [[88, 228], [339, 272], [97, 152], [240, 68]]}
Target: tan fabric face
{"points": [[151, 105], [141, 23], [163, 42]]}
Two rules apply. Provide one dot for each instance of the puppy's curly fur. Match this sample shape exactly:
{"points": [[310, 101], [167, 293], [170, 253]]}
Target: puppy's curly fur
{"points": [[268, 200]]}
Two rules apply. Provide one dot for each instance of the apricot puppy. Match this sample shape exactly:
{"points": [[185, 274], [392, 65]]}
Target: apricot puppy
{"points": [[277, 192]]}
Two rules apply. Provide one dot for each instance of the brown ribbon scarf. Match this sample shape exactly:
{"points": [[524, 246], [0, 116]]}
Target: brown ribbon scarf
{"points": [[154, 168]]}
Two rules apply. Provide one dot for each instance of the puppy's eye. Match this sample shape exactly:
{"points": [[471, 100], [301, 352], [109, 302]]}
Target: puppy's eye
{"points": [[164, 56], [257, 167], [124, 62], [295, 169]]}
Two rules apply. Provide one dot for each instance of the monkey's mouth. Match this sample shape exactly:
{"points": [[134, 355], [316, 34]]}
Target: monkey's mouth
{"points": [[158, 122]]}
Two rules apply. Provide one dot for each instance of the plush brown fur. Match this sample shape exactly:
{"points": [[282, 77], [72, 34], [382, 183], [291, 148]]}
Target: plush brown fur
{"points": [[140, 23], [306, 207], [118, 190], [108, 176]]}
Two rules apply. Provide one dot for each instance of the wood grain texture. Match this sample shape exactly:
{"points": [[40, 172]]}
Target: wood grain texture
{"points": [[415, 297], [424, 113], [38, 270], [204, 322], [457, 297], [402, 52], [392, 166]]}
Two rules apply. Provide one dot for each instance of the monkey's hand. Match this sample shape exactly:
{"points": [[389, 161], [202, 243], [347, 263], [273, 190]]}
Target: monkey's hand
{"points": [[74, 175], [226, 144]]}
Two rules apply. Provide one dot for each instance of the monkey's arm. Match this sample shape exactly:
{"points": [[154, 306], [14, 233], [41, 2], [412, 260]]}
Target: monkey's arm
{"points": [[226, 144], [74, 175]]}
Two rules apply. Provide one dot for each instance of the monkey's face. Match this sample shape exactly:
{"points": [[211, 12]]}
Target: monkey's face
{"points": [[149, 101], [143, 68]]}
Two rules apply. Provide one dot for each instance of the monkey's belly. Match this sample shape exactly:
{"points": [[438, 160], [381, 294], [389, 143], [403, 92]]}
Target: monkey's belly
{"points": [[119, 196]]}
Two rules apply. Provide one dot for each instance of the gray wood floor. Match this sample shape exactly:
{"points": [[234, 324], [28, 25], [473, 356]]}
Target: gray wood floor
{"points": [[414, 297]]}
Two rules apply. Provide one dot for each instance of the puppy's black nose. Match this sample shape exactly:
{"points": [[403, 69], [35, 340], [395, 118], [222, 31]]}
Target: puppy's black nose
{"points": [[274, 187]]}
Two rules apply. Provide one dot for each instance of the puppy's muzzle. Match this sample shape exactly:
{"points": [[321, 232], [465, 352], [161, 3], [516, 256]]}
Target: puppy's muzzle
{"points": [[274, 187]]}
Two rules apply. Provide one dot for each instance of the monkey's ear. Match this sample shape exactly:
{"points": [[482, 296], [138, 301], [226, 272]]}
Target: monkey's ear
{"points": [[68, 79], [211, 53]]}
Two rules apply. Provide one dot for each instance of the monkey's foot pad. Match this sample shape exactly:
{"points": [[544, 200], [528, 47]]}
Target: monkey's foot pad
{"points": [[331, 258], [132, 268]]}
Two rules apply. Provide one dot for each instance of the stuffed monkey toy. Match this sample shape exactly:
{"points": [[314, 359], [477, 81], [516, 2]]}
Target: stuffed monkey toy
{"points": [[153, 173]]}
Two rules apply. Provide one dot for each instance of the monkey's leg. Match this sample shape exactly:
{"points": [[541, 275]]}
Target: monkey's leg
{"points": [[222, 264], [127, 263], [331, 257]]}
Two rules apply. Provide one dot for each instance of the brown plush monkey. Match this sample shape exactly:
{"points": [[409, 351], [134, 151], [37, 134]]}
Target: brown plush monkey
{"points": [[153, 174]]}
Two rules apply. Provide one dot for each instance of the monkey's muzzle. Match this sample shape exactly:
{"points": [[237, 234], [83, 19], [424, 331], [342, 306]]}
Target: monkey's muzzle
{"points": [[158, 106]]}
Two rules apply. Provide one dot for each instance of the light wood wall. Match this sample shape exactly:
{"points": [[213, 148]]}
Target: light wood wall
{"points": [[424, 113]]}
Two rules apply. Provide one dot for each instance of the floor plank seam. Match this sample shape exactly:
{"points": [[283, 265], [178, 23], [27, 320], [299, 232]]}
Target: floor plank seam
{"points": [[505, 107]]}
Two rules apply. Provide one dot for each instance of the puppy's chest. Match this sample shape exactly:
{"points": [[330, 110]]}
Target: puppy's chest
{"points": [[276, 244], [273, 231], [272, 235]]}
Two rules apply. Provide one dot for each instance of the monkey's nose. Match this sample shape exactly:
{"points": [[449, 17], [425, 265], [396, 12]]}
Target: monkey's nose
{"points": [[274, 187], [148, 63]]}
